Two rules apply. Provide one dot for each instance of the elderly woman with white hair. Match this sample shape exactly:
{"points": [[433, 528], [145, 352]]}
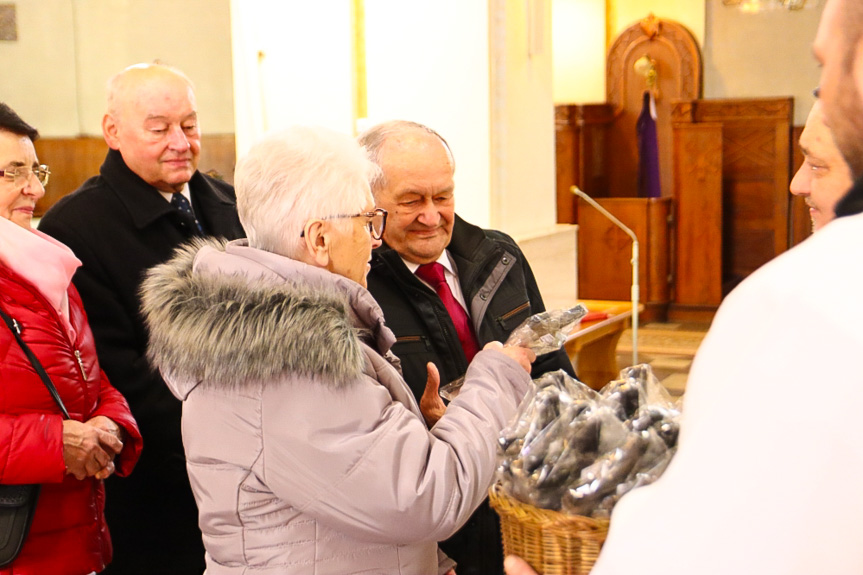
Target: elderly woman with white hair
{"points": [[306, 450]]}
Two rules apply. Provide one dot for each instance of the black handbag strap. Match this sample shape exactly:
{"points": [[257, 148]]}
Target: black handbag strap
{"points": [[15, 327]]}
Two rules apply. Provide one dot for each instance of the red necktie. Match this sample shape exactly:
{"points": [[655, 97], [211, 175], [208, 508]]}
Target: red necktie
{"points": [[433, 274]]}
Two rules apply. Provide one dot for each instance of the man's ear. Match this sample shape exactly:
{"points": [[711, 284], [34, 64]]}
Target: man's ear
{"points": [[109, 131], [317, 238]]}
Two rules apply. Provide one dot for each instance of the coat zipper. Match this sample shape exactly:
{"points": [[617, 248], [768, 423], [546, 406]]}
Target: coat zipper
{"points": [[81, 364], [59, 320]]}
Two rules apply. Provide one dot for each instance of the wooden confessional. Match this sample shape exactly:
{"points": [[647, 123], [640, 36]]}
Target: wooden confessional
{"points": [[724, 167]]}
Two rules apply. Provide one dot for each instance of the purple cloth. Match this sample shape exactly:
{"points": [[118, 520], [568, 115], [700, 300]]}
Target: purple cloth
{"points": [[648, 152]]}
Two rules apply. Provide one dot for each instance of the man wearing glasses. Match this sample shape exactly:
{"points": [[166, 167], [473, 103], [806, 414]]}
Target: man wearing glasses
{"points": [[148, 198], [447, 288]]}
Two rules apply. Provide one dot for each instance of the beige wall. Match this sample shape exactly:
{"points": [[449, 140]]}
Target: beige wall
{"points": [[579, 46], [428, 61], [584, 29], [56, 71], [293, 64], [759, 55], [522, 116], [478, 72], [39, 76]]}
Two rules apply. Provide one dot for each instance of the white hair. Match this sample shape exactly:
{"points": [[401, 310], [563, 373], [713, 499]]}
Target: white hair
{"points": [[294, 175], [375, 138]]}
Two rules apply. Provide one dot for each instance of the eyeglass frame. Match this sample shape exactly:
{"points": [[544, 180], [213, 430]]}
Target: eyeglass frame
{"points": [[39, 172], [371, 215]]}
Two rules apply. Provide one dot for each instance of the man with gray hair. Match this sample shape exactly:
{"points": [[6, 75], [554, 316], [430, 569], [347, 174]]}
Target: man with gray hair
{"points": [[447, 288], [148, 198]]}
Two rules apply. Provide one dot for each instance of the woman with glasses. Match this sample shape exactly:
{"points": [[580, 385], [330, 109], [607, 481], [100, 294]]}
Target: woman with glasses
{"points": [[306, 450], [68, 457]]}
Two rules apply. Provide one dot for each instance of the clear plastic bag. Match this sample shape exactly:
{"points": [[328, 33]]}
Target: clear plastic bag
{"points": [[578, 451], [543, 332], [547, 331]]}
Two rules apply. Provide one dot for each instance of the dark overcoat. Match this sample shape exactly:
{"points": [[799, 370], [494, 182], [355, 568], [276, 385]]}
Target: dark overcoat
{"points": [[119, 226]]}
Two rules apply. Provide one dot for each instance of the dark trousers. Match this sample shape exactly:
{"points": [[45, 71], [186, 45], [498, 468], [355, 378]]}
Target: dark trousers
{"points": [[477, 547], [153, 522]]}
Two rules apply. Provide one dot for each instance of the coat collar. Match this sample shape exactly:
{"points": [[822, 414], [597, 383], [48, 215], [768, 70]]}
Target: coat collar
{"points": [[468, 247], [366, 314], [144, 203], [227, 314]]}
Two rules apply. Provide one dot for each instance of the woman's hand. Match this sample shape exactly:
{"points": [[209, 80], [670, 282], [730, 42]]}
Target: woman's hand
{"points": [[522, 355], [107, 424], [514, 565], [89, 451], [431, 404]]}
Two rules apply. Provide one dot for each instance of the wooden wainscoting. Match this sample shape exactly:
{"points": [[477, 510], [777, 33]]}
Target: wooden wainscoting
{"points": [[73, 160]]}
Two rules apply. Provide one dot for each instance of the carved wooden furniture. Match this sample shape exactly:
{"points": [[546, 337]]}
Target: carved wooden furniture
{"points": [[597, 150], [604, 263], [725, 169], [732, 170], [698, 261], [677, 61], [581, 154]]}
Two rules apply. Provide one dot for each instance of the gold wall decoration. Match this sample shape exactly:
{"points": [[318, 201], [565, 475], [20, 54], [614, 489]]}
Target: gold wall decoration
{"points": [[361, 108]]}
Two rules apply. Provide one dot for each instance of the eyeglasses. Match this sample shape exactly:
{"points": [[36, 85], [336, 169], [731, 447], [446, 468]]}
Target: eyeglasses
{"points": [[21, 174], [376, 224]]}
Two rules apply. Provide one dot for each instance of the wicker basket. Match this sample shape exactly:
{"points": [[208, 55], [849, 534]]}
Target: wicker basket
{"points": [[552, 542]]}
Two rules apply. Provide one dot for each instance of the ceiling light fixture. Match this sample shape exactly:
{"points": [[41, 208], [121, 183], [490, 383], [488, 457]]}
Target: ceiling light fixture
{"points": [[753, 6]]}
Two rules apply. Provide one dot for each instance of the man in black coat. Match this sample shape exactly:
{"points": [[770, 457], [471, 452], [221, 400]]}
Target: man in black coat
{"points": [[486, 273], [119, 224]]}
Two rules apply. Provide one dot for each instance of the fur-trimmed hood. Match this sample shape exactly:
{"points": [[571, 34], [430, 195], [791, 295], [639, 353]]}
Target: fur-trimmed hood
{"points": [[225, 314]]}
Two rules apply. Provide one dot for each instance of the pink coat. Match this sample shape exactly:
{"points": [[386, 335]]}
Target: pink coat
{"points": [[306, 450]]}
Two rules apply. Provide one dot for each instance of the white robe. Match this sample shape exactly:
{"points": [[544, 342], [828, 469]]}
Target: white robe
{"points": [[768, 478]]}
